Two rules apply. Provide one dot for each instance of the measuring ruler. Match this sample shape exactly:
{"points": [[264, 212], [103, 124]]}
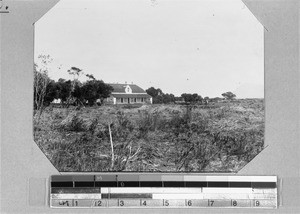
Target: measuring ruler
{"points": [[162, 191]]}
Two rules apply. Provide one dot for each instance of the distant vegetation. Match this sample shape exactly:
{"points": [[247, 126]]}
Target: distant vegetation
{"points": [[161, 98], [73, 92], [69, 92]]}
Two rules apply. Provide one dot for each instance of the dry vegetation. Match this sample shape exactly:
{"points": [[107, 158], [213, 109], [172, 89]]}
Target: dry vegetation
{"points": [[153, 138]]}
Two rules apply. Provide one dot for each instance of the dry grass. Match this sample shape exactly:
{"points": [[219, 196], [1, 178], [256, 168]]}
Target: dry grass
{"points": [[153, 138]]}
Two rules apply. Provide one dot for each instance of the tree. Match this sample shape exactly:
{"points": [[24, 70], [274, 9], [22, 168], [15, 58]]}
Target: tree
{"points": [[90, 76], [188, 98], [191, 98], [103, 90], [153, 92], [51, 93], [197, 98], [41, 81], [206, 100], [95, 89], [77, 93], [168, 98], [156, 94], [75, 72], [229, 95], [160, 97], [63, 89]]}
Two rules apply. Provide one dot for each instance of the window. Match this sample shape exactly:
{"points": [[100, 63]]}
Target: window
{"points": [[121, 100], [128, 89]]}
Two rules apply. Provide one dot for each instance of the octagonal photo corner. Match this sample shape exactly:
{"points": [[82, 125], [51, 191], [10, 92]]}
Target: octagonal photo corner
{"points": [[150, 86]]}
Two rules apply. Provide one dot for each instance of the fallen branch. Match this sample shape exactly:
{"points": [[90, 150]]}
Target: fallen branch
{"points": [[112, 149]]}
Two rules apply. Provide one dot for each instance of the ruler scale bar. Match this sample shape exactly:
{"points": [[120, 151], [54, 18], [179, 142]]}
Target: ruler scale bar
{"points": [[132, 190]]}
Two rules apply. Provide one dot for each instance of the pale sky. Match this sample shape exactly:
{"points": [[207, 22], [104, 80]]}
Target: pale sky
{"points": [[190, 46]]}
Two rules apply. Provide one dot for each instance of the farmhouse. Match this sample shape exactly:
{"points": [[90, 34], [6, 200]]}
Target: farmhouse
{"points": [[128, 94]]}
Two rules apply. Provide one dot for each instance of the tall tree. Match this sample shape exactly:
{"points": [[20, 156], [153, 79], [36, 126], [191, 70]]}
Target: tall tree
{"points": [[153, 92], [90, 76], [41, 81], [51, 93], [229, 95], [63, 88], [191, 98], [206, 100], [168, 98], [75, 72], [95, 89]]}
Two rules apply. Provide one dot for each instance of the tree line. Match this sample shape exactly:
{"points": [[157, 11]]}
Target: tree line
{"points": [[69, 92], [161, 98], [74, 92]]}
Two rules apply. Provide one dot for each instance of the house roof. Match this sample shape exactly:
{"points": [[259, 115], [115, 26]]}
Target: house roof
{"points": [[120, 88], [131, 95]]}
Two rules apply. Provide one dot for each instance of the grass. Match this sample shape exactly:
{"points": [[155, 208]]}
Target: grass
{"points": [[219, 137]]}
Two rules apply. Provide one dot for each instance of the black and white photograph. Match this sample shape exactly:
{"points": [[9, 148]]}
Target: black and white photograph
{"points": [[149, 86]]}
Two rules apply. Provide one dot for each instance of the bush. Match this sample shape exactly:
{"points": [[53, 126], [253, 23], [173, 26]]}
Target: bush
{"points": [[73, 122], [91, 125]]}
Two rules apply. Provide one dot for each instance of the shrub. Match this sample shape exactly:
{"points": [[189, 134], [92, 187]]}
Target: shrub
{"points": [[73, 122], [91, 125]]}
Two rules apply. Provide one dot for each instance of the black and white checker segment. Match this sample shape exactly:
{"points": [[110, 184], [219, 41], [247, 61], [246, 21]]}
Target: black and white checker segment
{"points": [[165, 191]]}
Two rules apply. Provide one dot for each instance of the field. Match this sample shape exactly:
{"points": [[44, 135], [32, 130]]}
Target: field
{"points": [[218, 137]]}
